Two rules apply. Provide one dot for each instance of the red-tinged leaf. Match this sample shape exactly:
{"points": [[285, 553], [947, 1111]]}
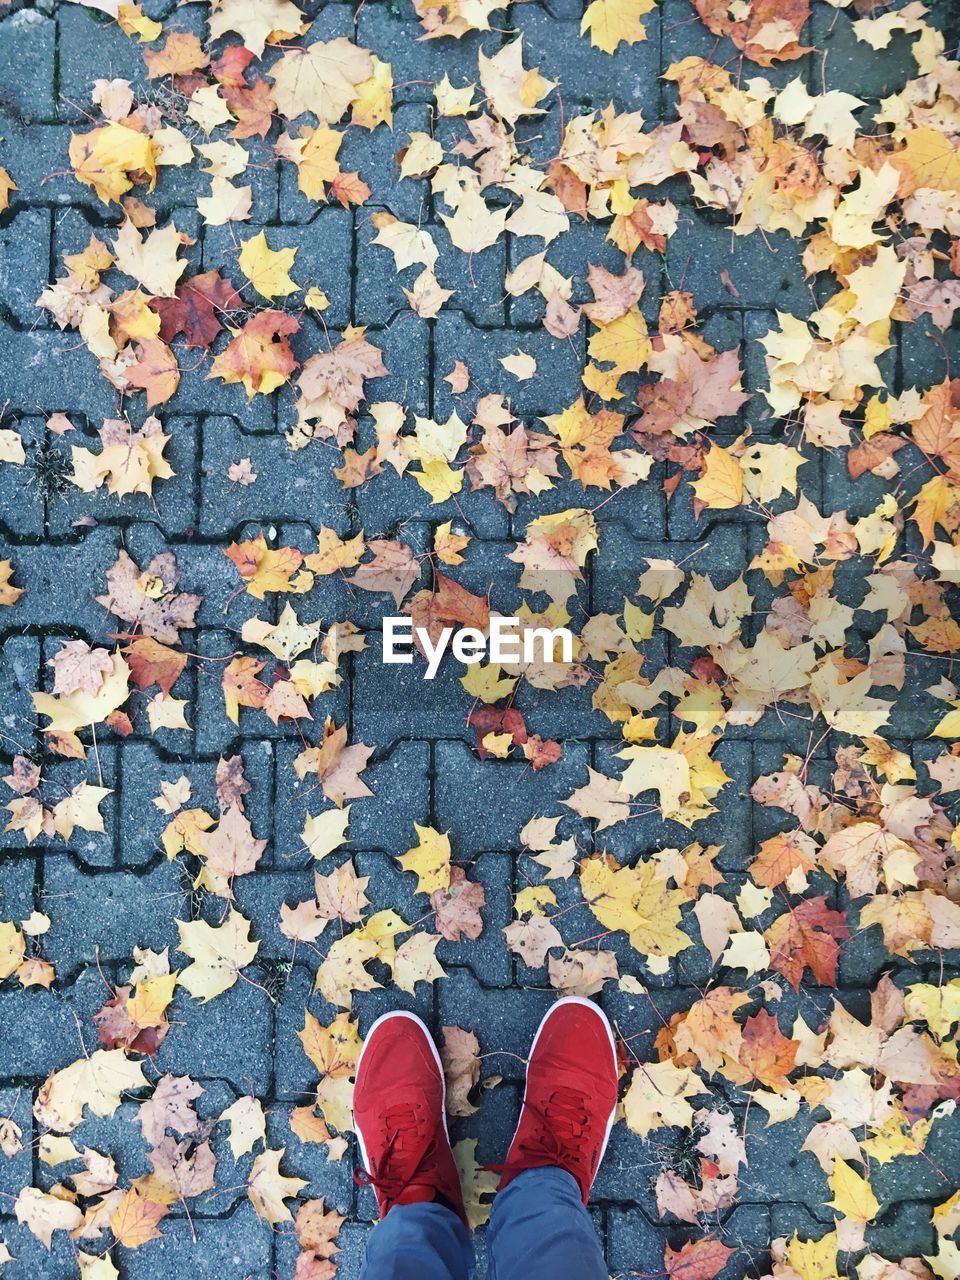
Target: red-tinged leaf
{"points": [[120, 723], [697, 1260], [198, 310], [151, 662], [253, 107], [450, 604], [765, 1052], [491, 720], [542, 751], [259, 355], [349, 188], [807, 936], [230, 66], [155, 371]]}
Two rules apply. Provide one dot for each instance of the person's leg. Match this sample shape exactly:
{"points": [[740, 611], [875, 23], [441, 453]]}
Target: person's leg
{"points": [[399, 1117], [418, 1242], [540, 1228]]}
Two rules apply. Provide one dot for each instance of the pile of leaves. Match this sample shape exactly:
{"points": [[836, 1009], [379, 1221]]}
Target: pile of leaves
{"points": [[819, 631]]}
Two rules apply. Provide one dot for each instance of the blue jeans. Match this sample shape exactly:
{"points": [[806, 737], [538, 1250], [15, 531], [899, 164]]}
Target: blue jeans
{"points": [[539, 1230]]}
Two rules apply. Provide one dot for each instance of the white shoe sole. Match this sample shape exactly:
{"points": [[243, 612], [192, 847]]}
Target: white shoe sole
{"points": [[588, 1004], [411, 1017]]}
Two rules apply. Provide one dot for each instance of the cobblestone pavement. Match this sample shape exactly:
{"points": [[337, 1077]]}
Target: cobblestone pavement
{"points": [[106, 893]]}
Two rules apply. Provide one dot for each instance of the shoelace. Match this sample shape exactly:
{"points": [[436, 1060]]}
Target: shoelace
{"points": [[564, 1128], [409, 1141]]}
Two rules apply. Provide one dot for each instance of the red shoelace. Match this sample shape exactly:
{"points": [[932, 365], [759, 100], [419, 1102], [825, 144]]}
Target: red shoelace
{"points": [[561, 1136], [408, 1146]]}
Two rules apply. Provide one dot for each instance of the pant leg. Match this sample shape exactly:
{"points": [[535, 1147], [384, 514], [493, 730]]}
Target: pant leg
{"points": [[540, 1230], [419, 1242]]}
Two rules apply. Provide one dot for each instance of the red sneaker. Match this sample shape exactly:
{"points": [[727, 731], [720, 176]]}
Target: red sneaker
{"points": [[398, 1113], [570, 1097]]}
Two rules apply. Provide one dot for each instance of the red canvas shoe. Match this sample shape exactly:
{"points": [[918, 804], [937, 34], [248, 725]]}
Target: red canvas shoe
{"points": [[398, 1113], [570, 1097]]}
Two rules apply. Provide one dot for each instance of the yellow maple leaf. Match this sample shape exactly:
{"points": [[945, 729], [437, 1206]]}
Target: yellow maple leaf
{"points": [[373, 103], [315, 155], [429, 859], [72, 711], [721, 486], [615, 22], [487, 683], [267, 1187], [657, 1097], [95, 1082], [218, 953], [105, 158], [12, 948], [814, 1259], [636, 900], [852, 1195], [335, 1049], [248, 1125], [267, 269], [623, 342], [148, 1005], [9, 594]]}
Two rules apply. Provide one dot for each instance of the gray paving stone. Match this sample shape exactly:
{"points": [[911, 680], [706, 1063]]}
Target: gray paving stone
{"points": [[233, 1247], [555, 386], [627, 78], [197, 1032], [503, 1021], [46, 368], [504, 796], [19, 676], [286, 482], [180, 186], [205, 571], [91, 48], [319, 253], [22, 490], [923, 359], [173, 504], [142, 824], [633, 1243], [849, 61], [417, 65], [24, 254], [581, 244], [27, 56], [477, 279], [331, 1179], [400, 780], [94, 848], [15, 1172], [109, 913], [762, 269], [394, 701], [18, 881], [373, 151], [40, 1027], [406, 343], [772, 1175]]}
